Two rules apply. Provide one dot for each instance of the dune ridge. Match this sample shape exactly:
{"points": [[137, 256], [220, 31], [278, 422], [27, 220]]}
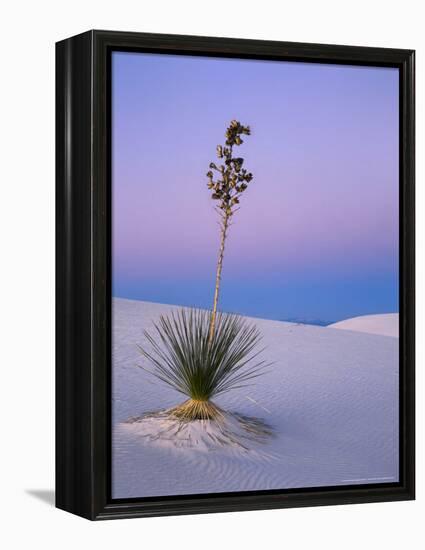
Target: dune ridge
{"points": [[325, 386], [385, 324]]}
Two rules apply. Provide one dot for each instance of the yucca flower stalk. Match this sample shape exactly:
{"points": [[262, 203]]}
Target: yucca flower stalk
{"points": [[199, 353], [231, 181]]}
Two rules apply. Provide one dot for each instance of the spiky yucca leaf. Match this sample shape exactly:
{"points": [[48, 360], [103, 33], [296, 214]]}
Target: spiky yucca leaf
{"points": [[182, 356]]}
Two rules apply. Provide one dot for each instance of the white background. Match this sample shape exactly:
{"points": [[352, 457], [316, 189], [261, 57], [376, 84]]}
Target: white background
{"points": [[29, 30]]}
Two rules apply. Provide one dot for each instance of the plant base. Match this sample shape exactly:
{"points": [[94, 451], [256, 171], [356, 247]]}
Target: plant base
{"points": [[194, 409]]}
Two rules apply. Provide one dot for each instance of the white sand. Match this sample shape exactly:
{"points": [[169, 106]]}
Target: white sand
{"points": [[385, 324], [331, 397]]}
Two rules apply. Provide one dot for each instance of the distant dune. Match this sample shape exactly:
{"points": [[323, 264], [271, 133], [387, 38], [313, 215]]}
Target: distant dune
{"points": [[331, 397], [385, 324]]}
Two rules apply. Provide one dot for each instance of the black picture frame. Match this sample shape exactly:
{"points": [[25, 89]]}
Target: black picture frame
{"points": [[83, 274]]}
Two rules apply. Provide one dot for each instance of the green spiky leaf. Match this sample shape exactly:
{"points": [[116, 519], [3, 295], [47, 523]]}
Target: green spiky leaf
{"points": [[180, 354]]}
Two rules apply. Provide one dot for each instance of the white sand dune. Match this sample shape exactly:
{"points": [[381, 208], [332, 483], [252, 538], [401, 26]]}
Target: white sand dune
{"points": [[331, 397], [385, 324]]}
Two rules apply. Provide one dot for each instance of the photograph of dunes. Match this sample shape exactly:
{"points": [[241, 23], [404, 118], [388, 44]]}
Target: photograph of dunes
{"points": [[255, 275]]}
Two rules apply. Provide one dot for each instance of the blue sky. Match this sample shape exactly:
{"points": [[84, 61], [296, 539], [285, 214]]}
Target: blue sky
{"points": [[317, 232]]}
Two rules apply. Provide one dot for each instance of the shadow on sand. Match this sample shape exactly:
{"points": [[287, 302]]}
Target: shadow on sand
{"points": [[229, 429]]}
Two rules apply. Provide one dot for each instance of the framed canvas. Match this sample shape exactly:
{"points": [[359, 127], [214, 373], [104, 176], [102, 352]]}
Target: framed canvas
{"points": [[235, 274]]}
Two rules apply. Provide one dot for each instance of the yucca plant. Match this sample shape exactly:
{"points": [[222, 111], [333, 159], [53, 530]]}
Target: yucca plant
{"points": [[202, 354], [184, 357]]}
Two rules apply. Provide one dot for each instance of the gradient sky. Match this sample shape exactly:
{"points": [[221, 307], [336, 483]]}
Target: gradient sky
{"points": [[317, 233]]}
